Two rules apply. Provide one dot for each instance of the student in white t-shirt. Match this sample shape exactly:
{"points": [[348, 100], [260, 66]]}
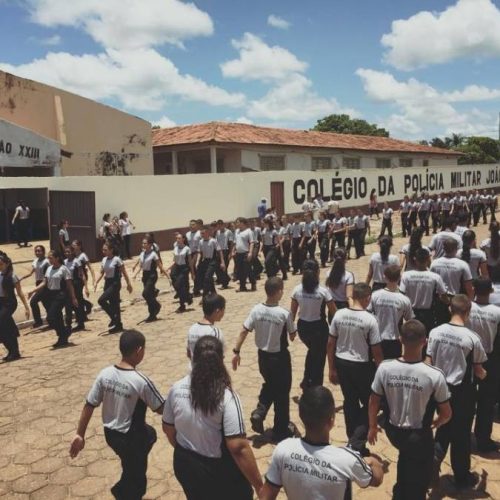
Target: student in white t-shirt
{"points": [[408, 251], [475, 258], [379, 261], [308, 302], [411, 389], [203, 418], [63, 235], [310, 467], [447, 232], [22, 217], [125, 394], [339, 281], [126, 227], [491, 247], [272, 325]]}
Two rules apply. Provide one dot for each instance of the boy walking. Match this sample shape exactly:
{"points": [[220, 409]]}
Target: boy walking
{"points": [[124, 393]]}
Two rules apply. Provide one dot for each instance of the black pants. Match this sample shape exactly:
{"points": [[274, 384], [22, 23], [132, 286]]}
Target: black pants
{"points": [[442, 311], [126, 247], [79, 310], [22, 229], [206, 478], [271, 264], [133, 448], [180, 282], [34, 301], [427, 317], [149, 280], [415, 463], [359, 236], [314, 334], [205, 275], [476, 213], [110, 300], [296, 255], [456, 433], [309, 249], [222, 276], [324, 244], [276, 370], [435, 221], [386, 224], [56, 300], [245, 270], [8, 328], [286, 245], [392, 349], [255, 264], [404, 224], [487, 393], [412, 221], [355, 382], [424, 221]]}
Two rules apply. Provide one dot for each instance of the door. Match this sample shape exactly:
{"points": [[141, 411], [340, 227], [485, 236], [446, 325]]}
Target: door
{"points": [[78, 208], [278, 197]]}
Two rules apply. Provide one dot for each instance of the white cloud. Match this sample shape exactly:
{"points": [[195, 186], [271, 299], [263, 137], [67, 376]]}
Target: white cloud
{"points": [[259, 61], [51, 40], [472, 93], [127, 24], [470, 28], [245, 120], [142, 79], [278, 22], [164, 122]]}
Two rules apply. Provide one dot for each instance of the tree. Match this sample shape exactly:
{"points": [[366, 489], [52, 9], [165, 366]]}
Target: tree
{"points": [[479, 150], [437, 142], [344, 124]]}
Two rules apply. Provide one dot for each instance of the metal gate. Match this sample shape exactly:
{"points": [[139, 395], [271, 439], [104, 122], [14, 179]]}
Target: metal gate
{"points": [[78, 208], [278, 197]]}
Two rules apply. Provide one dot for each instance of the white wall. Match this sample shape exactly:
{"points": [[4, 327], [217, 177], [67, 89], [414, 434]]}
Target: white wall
{"points": [[162, 202]]}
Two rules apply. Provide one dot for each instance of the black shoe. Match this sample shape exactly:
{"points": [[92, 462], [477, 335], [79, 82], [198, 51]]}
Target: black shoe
{"points": [[37, 324], [111, 323], [469, 481], [78, 328], [150, 319], [257, 422], [181, 309], [88, 308], [189, 300], [488, 446], [280, 436], [116, 329], [254, 288], [243, 289], [62, 342], [11, 357], [176, 296], [285, 277]]}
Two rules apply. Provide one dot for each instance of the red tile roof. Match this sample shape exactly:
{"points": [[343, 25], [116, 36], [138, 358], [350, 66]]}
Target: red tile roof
{"points": [[239, 133]]}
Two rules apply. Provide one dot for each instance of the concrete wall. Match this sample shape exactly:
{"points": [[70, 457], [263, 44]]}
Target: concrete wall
{"points": [[100, 140]]}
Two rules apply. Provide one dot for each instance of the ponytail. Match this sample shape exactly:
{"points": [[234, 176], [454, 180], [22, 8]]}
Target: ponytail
{"points": [[415, 243], [338, 269], [467, 240], [385, 244], [310, 278]]}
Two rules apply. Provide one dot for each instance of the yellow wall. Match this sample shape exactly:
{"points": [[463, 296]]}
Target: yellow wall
{"points": [[101, 139]]}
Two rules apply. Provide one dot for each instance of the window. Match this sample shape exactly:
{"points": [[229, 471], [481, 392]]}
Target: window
{"points": [[426, 163], [272, 162], [405, 162], [351, 162], [321, 163], [383, 163]]}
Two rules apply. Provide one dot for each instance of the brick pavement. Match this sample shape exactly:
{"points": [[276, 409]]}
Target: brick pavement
{"points": [[41, 397]]}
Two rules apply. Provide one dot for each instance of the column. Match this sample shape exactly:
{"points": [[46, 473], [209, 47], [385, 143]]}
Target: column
{"points": [[213, 159], [175, 168]]}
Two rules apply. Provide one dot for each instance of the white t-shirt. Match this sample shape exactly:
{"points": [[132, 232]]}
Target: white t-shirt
{"points": [[193, 240], [111, 267], [486, 247], [449, 346], [269, 236], [125, 227], [316, 472], [198, 330], [124, 394], [453, 271], [224, 237], [408, 388], [484, 320], [361, 221], [296, 229], [271, 325], [421, 287], [40, 266], [208, 248], [197, 432], [311, 304], [355, 331], [436, 244], [23, 213], [65, 235], [339, 293], [15, 280], [390, 308], [181, 255], [243, 240], [379, 267], [56, 276], [148, 260], [405, 250], [477, 257]]}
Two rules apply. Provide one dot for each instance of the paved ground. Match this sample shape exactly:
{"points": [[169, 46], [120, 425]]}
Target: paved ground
{"points": [[41, 397]]}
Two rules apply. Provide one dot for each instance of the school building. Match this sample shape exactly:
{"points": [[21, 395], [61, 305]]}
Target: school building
{"points": [[219, 147]]}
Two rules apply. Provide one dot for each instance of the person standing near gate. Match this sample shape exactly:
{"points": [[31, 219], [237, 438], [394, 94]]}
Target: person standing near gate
{"points": [[126, 226], [22, 216]]}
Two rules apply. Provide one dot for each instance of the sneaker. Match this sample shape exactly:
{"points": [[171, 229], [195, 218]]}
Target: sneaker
{"points": [[116, 329], [111, 323], [189, 300], [11, 357], [469, 481], [181, 309], [257, 423], [150, 319], [62, 342], [254, 288], [78, 328]]}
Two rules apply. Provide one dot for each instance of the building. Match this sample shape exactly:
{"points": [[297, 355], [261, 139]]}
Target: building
{"points": [[218, 147], [90, 138]]}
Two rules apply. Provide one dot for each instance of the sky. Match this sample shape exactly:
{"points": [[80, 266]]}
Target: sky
{"points": [[419, 68]]}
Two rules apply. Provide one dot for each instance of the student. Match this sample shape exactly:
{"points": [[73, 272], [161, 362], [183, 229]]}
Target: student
{"points": [[85, 262], [411, 389], [242, 254], [309, 236], [125, 394], [412, 217], [214, 307], [461, 224], [271, 323], [148, 262], [22, 216], [105, 228], [255, 263], [435, 212], [447, 231], [126, 226], [179, 271], [352, 233], [391, 307], [296, 232], [458, 352], [379, 261], [112, 269], [309, 299], [404, 211], [63, 235], [324, 226], [408, 252], [424, 212], [362, 226], [270, 248], [373, 205], [475, 258], [446, 206], [9, 286], [423, 287], [285, 245], [484, 320], [330, 470], [38, 267], [339, 281], [58, 289], [79, 285], [203, 421], [193, 237], [491, 247], [353, 342], [338, 230], [225, 239], [387, 212]]}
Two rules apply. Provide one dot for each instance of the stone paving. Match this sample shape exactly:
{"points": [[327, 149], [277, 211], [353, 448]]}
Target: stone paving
{"points": [[41, 397]]}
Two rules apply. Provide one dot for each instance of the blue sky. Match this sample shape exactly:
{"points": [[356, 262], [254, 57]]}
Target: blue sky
{"points": [[420, 68]]}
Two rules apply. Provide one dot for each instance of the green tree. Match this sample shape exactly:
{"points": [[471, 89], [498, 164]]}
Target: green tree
{"points": [[437, 142], [344, 124], [479, 150]]}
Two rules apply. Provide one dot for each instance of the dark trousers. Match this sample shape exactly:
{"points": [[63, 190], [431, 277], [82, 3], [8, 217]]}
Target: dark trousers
{"points": [[404, 224], [34, 301], [427, 317], [443, 314], [314, 334], [456, 433], [424, 221], [415, 463], [79, 310], [309, 249], [206, 478], [8, 328], [476, 213], [180, 282], [133, 448], [435, 221], [222, 276], [110, 300], [276, 370], [412, 221], [271, 260], [351, 238], [286, 246], [205, 275], [296, 255], [245, 270], [22, 229], [487, 392], [126, 247], [324, 243], [359, 236], [56, 300], [149, 280], [392, 349], [355, 380], [386, 224], [255, 263]]}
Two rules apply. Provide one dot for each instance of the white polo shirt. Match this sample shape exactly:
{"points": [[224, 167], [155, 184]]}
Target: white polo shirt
{"points": [[198, 330], [56, 277], [243, 240], [421, 287], [378, 266], [484, 320], [436, 244], [453, 271], [311, 304], [339, 292], [477, 257]]}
